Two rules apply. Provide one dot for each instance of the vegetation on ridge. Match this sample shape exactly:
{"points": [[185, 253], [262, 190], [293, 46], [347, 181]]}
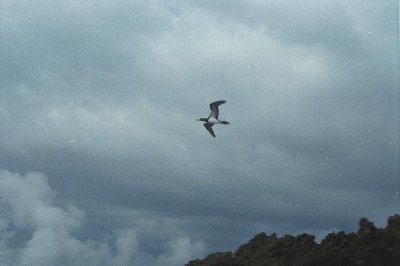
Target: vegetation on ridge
{"points": [[368, 246]]}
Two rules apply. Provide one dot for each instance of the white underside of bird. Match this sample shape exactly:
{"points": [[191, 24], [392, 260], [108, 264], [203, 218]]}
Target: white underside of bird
{"points": [[214, 121]]}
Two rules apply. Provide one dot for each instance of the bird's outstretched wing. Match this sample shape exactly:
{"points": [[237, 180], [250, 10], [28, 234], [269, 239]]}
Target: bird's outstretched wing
{"points": [[214, 108], [208, 126]]}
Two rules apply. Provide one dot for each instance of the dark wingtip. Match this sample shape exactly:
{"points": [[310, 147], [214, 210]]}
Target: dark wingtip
{"points": [[218, 102]]}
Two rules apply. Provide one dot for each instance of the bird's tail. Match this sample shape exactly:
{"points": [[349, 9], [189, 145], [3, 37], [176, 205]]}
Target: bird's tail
{"points": [[225, 122]]}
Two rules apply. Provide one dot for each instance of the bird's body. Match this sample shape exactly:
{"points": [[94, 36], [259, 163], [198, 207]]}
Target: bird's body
{"points": [[212, 119]]}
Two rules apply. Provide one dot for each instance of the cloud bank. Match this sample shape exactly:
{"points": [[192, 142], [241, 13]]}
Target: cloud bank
{"points": [[35, 230]]}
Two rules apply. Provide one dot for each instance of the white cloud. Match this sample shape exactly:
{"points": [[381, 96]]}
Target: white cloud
{"points": [[34, 231], [179, 250]]}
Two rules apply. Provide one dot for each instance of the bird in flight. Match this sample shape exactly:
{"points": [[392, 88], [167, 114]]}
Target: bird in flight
{"points": [[212, 119]]}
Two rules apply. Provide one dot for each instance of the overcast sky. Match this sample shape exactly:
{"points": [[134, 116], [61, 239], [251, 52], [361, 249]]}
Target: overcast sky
{"points": [[103, 163]]}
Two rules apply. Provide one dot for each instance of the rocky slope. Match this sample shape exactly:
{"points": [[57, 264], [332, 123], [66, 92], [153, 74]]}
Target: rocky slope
{"points": [[368, 246]]}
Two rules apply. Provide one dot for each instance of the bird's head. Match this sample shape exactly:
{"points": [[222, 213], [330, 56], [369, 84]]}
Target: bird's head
{"points": [[202, 119]]}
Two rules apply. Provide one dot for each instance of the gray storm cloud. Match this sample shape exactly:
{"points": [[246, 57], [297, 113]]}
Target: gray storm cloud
{"points": [[101, 98]]}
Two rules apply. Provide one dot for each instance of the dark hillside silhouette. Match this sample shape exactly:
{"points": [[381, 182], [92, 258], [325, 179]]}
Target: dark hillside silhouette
{"points": [[368, 246]]}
